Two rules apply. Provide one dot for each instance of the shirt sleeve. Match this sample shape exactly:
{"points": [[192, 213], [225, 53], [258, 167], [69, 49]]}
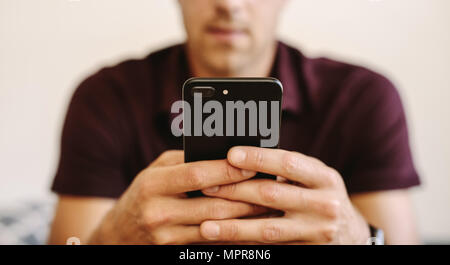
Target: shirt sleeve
{"points": [[382, 158], [91, 155]]}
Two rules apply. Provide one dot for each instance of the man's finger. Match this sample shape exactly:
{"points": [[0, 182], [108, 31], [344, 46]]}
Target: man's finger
{"points": [[291, 165], [169, 158], [196, 210], [177, 235], [269, 230], [273, 194], [196, 176]]}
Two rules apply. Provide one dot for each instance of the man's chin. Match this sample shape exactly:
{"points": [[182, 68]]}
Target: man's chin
{"points": [[227, 43]]}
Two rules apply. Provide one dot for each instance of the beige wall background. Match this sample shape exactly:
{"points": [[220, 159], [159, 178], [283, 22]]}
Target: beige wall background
{"points": [[48, 46]]}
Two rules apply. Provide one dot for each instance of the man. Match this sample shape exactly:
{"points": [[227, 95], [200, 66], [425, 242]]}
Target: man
{"points": [[344, 155]]}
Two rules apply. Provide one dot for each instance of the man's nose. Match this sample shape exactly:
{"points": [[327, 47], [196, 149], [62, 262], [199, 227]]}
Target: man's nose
{"points": [[230, 8]]}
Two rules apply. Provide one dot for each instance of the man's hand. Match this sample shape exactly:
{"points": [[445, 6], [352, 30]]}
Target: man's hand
{"points": [[314, 200], [155, 210]]}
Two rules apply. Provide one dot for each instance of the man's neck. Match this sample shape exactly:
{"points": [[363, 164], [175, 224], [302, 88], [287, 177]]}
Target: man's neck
{"points": [[261, 66]]}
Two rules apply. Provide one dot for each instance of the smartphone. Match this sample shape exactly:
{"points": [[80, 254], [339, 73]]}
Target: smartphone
{"points": [[219, 113]]}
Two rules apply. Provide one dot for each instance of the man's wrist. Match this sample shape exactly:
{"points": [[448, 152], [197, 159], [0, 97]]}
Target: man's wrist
{"points": [[102, 234]]}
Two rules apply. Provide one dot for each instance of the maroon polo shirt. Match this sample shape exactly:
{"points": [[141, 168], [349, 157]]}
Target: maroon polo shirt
{"points": [[347, 116]]}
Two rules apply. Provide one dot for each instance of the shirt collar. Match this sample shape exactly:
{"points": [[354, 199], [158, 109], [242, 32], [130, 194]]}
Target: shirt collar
{"points": [[285, 69]]}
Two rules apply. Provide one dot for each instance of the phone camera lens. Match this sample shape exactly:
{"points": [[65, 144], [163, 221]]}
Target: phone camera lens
{"points": [[206, 91]]}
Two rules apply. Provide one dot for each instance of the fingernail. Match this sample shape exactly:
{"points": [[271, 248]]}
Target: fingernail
{"points": [[247, 173], [212, 189], [237, 156], [211, 230]]}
